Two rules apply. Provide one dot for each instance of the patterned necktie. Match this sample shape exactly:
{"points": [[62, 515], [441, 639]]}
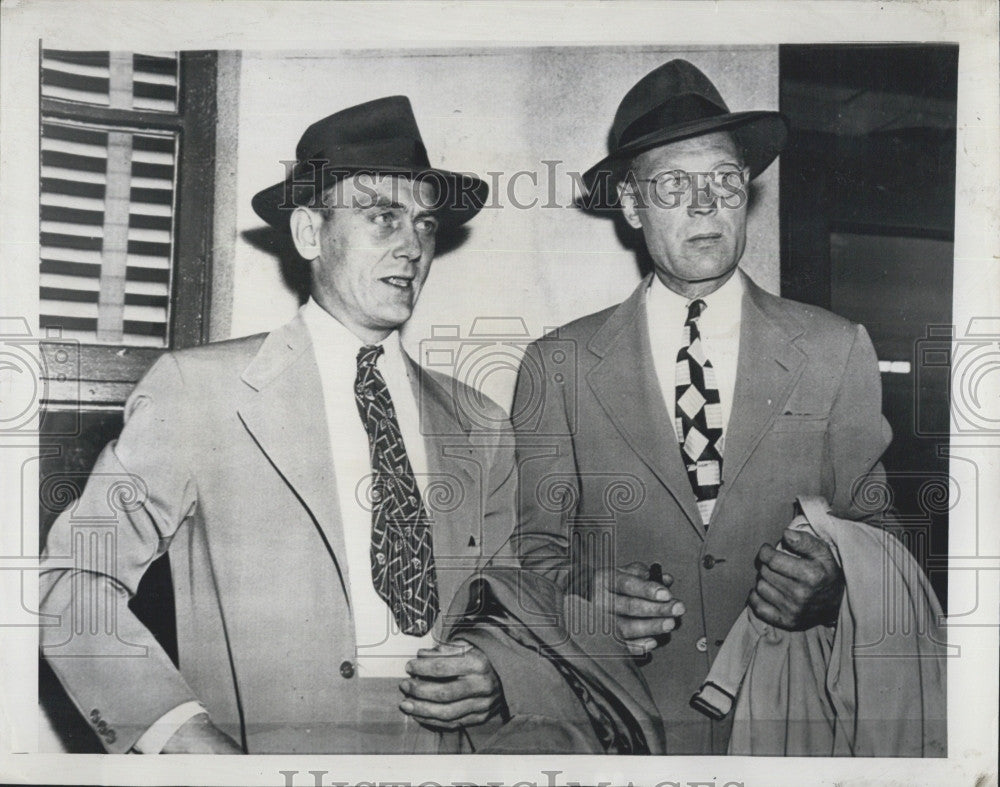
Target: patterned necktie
{"points": [[699, 415], [402, 554]]}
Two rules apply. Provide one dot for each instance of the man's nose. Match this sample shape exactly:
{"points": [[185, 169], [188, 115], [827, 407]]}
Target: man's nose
{"points": [[409, 245], [703, 201]]}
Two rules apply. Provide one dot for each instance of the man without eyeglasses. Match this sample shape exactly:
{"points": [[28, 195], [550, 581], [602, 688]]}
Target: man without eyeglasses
{"points": [[721, 402], [291, 477]]}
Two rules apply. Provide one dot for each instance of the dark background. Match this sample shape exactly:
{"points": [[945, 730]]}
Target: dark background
{"points": [[867, 231]]}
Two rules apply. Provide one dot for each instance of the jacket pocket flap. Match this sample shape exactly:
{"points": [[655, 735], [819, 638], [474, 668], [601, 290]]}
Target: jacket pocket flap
{"points": [[800, 422]]}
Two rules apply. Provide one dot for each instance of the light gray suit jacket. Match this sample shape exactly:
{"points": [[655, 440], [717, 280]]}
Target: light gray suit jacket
{"points": [[601, 478], [224, 461]]}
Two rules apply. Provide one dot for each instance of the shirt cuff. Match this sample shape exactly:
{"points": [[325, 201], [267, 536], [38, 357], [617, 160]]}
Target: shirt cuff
{"points": [[162, 730]]}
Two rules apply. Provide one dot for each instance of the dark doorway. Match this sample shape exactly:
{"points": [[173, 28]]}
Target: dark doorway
{"points": [[867, 231]]}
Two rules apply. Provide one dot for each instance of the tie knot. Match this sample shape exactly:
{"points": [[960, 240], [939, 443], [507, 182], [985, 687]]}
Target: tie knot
{"points": [[695, 308], [369, 354]]}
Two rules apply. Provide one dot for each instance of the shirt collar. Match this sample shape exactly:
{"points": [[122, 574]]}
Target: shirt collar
{"points": [[334, 343], [724, 304]]}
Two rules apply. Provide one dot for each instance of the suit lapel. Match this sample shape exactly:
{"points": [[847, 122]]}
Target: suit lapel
{"points": [[625, 384], [452, 462], [287, 419], [768, 367]]}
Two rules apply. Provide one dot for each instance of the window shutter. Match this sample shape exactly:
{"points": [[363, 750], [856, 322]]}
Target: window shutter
{"points": [[108, 201], [96, 78]]}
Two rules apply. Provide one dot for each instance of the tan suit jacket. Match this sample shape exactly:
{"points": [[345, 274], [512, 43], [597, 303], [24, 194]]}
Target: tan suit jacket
{"points": [[224, 461], [601, 479]]}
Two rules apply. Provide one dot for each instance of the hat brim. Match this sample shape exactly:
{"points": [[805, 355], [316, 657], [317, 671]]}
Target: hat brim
{"points": [[762, 135], [460, 195]]}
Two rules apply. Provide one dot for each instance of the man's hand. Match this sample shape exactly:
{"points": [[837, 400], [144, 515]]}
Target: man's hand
{"points": [[644, 609], [451, 686], [801, 590], [199, 736]]}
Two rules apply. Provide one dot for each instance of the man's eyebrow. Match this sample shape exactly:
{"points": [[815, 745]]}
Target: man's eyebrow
{"points": [[670, 166], [367, 203], [379, 202]]}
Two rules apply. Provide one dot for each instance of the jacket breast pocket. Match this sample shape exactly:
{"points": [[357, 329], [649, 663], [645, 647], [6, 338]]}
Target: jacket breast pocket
{"points": [[795, 422]]}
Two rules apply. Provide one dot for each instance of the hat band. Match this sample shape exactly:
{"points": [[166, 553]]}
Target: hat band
{"points": [[396, 154], [675, 112]]}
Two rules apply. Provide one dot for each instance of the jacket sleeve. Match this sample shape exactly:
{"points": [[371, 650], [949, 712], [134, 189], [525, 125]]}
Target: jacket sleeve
{"points": [[543, 417], [859, 435], [137, 496], [500, 490]]}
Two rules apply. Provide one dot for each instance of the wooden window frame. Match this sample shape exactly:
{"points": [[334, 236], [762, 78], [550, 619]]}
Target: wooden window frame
{"points": [[102, 375]]}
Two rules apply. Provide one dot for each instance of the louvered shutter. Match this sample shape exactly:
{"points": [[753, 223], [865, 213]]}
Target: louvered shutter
{"points": [[108, 201], [125, 80]]}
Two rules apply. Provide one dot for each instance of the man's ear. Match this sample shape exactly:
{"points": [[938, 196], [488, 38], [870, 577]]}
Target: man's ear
{"points": [[304, 225], [629, 204]]}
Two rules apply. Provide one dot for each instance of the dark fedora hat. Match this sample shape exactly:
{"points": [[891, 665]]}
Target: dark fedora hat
{"points": [[378, 137], [673, 102]]}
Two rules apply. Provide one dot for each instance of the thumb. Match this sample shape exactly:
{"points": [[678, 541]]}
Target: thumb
{"points": [[455, 648], [636, 569], [804, 544]]}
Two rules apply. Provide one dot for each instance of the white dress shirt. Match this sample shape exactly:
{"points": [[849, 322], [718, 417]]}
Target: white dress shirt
{"points": [[155, 738], [719, 328], [382, 650]]}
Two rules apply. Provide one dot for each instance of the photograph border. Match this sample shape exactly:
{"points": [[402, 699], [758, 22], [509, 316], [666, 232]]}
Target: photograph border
{"points": [[248, 25]]}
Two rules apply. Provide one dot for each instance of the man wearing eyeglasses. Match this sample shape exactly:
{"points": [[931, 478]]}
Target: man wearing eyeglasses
{"points": [[720, 402]]}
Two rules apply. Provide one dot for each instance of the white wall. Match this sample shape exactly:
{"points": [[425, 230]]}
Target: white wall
{"points": [[499, 111]]}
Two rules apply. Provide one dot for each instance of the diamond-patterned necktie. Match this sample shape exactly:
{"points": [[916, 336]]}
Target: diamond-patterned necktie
{"points": [[699, 415], [402, 554]]}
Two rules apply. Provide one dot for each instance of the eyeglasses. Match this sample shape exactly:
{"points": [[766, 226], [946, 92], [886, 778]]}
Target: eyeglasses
{"points": [[725, 184]]}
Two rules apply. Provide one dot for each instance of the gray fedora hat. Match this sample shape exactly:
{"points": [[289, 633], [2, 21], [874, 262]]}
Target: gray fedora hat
{"points": [[677, 101], [378, 137]]}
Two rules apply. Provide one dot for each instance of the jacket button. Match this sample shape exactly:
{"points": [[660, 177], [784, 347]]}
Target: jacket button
{"points": [[702, 644], [708, 561], [347, 669]]}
